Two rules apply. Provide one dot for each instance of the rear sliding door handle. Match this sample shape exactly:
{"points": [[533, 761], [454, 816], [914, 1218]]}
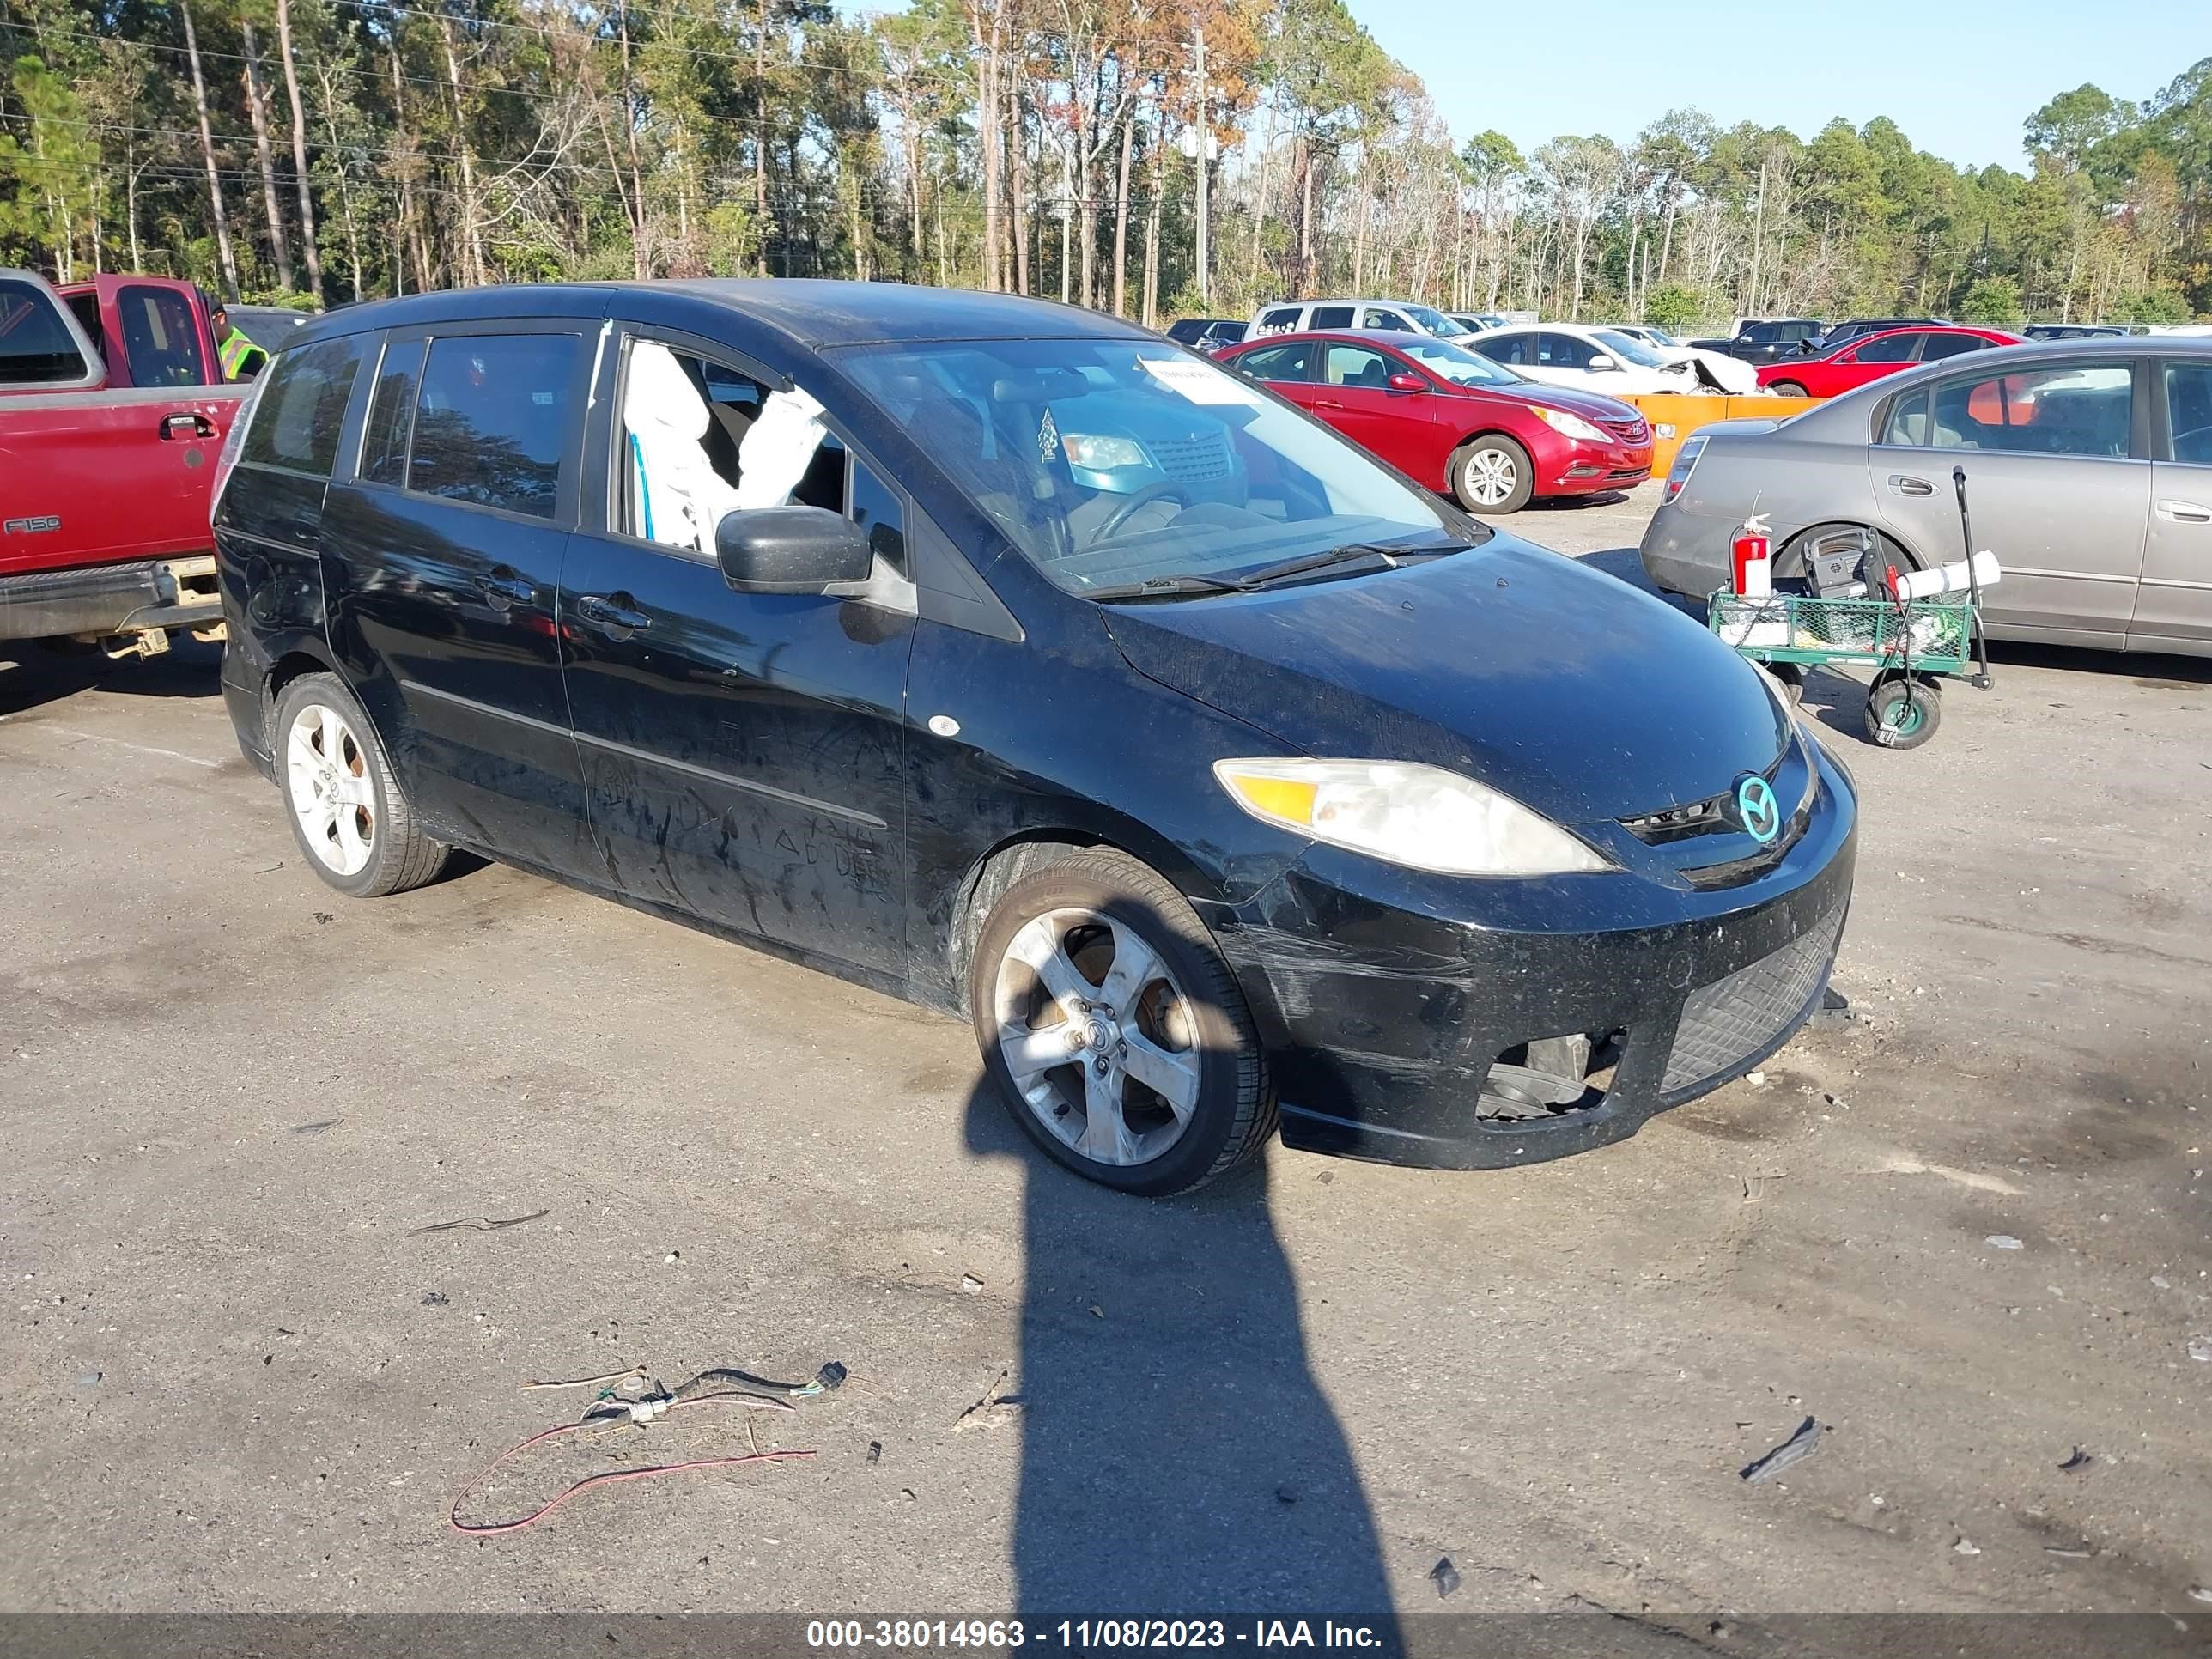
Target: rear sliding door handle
{"points": [[612, 615], [1906, 485], [503, 588], [2185, 512]]}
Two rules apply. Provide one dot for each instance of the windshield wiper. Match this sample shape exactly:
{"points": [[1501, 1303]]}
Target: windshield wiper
{"points": [[1183, 585], [1167, 587], [1346, 554]]}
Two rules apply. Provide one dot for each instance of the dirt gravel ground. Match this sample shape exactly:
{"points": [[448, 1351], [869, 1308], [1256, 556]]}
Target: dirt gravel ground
{"points": [[1968, 1230]]}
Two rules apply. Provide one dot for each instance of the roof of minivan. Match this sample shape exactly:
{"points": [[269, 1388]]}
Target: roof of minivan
{"points": [[810, 313]]}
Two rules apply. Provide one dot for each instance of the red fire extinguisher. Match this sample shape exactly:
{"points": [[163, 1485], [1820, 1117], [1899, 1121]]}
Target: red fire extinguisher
{"points": [[1753, 572]]}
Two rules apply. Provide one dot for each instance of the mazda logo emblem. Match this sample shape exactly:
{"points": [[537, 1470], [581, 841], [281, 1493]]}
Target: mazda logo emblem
{"points": [[1761, 812]]}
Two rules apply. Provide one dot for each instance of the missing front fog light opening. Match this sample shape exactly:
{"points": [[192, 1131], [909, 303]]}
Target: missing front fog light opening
{"points": [[1548, 1077]]}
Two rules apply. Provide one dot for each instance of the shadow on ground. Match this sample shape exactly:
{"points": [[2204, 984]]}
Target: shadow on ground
{"points": [[34, 675], [1178, 1454]]}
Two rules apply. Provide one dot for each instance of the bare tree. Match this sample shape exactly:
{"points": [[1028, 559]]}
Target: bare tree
{"points": [[223, 254], [299, 150], [256, 109]]}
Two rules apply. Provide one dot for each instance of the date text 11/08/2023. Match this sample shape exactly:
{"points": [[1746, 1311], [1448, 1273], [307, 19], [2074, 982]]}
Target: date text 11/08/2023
{"points": [[1088, 1635]]}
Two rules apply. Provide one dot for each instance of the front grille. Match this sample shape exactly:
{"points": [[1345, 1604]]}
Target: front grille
{"points": [[1635, 431], [1725, 1023], [1699, 817], [1191, 460]]}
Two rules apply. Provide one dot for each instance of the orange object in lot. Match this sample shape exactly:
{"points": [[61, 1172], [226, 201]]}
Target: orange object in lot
{"points": [[1675, 415]]}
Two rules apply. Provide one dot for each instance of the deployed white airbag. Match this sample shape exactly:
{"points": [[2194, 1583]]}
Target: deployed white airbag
{"points": [[679, 497]]}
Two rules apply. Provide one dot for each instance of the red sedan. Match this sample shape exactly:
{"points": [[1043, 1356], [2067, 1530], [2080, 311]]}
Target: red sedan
{"points": [[1459, 424], [1873, 355]]}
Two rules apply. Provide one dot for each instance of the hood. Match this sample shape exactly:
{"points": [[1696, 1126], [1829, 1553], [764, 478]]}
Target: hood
{"points": [[1590, 406], [1574, 692]]}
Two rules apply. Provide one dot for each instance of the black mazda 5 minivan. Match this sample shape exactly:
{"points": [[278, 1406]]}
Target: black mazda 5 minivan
{"points": [[1012, 659]]}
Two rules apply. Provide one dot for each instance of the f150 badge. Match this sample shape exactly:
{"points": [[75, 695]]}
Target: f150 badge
{"points": [[31, 526]]}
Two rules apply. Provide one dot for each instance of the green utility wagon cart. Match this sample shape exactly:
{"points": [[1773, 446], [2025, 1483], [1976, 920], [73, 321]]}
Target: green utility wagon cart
{"points": [[1908, 642]]}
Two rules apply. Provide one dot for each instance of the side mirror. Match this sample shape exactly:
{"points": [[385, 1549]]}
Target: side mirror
{"points": [[791, 550], [1405, 382], [1599, 364]]}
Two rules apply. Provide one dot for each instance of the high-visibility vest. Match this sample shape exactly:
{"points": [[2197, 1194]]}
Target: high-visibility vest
{"points": [[236, 351]]}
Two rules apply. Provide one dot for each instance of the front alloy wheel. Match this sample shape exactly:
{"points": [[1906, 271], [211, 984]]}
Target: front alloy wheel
{"points": [[1116, 1032], [1098, 1036], [1492, 475]]}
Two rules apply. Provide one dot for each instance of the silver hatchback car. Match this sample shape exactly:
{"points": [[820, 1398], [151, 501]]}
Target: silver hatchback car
{"points": [[2088, 469]]}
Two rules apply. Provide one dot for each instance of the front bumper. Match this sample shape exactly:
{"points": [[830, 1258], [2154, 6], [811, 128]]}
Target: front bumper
{"points": [[1389, 1011], [1570, 466]]}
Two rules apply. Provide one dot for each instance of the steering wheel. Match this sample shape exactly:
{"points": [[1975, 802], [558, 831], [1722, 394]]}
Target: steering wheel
{"points": [[1121, 515]]}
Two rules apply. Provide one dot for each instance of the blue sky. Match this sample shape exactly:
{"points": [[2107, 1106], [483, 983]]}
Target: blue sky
{"points": [[1958, 75]]}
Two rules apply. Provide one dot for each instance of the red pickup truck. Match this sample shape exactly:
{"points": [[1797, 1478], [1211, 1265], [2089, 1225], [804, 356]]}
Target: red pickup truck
{"points": [[112, 412]]}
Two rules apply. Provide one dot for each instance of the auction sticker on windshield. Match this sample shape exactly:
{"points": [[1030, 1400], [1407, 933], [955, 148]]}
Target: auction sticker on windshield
{"points": [[1201, 383]]}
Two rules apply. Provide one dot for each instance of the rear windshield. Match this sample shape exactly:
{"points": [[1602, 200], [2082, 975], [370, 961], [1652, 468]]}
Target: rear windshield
{"points": [[36, 346]]}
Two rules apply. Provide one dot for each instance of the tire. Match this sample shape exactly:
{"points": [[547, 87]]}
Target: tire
{"points": [[1902, 712], [347, 812], [1492, 474], [1792, 561], [1788, 389], [1069, 926]]}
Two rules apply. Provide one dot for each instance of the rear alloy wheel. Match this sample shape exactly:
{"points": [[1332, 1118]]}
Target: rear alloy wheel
{"points": [[1114, 1029], [1788, 389], [349, 813], [1493, 474]]}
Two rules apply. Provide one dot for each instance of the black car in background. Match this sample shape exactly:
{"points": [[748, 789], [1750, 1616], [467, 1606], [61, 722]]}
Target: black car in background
{"points": [[1013, 659], [2075, 331], [1767, 340], [1845, 332], [1208, 333], [269, 327]]}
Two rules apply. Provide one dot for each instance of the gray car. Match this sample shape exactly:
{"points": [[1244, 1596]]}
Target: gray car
{"points": [[2088, 469]]}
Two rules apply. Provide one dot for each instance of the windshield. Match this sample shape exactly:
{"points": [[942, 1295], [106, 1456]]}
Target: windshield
{"points": [[1629, 347], [1457, 364], [1109, 463], [1659, 336], [1435, 322]]}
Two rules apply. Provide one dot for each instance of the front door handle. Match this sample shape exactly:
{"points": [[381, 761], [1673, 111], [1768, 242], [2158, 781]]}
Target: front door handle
{"points": [[1904, 485], [2185, 512], [1325, 403], [186, 424], [503, 588], [613, 615]]}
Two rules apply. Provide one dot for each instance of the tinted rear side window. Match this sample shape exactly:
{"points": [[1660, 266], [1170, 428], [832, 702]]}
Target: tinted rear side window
{"points": [[1331, 316], [1283, 362], [493, 419], [36, 348], [301, 408], [391, 415], [1950, 345], [161, 338], [1890, 349]]}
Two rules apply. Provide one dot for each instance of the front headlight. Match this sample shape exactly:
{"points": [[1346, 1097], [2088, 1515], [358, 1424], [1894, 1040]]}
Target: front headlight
{"points": [[1569, 426], [1098, 453], [1406, 813]]}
